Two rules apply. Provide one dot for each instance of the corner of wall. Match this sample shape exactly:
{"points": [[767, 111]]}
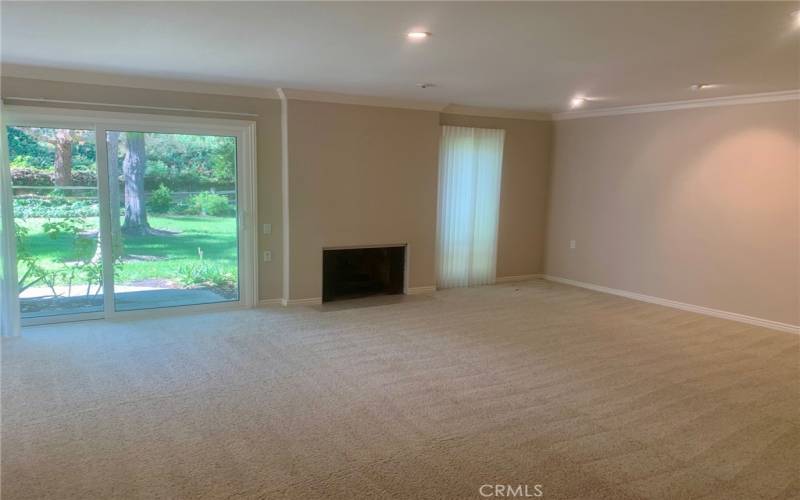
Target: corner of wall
{"points": [[285, 193]]}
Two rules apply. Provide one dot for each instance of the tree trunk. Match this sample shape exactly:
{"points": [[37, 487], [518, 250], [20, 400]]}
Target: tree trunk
{"points": [[63, 163], [133, 168]]}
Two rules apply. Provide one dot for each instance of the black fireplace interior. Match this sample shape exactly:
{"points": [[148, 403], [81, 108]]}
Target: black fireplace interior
{"points": [[359, 272]]}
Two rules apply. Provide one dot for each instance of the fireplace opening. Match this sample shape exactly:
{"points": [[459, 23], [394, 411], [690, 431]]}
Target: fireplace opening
{"points": [[350, 273]]}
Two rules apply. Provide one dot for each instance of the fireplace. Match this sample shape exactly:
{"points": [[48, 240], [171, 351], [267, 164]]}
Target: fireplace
{"points": [[349, 273]]}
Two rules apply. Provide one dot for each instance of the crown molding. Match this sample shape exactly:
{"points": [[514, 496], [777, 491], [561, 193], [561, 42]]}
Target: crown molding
{"points": [[281, 93], [456, 109], [264, 92], [140, 82], [382, 102], [786, 95]]}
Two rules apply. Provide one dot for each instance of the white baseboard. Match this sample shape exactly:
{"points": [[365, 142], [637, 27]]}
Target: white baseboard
{"points": [[302, 302], [717, 313], [417, 290], [269, 302], [518, 277]]}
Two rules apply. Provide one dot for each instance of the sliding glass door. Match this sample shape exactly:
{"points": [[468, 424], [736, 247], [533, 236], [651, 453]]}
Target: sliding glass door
{"points": [[174, 226], [130, 214], [56, 220]]}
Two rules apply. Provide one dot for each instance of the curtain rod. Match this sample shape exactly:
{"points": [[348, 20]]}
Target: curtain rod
{"points": [[133, 106]]}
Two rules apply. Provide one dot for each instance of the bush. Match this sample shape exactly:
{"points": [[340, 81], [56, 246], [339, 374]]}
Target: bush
{"points": [[204, 274], [160, 200], [44, 177], [31, 177], [54, 206], [208, 203]]}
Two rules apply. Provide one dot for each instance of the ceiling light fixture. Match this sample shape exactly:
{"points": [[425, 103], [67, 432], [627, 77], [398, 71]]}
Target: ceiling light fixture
{"points": [[426, 85], [702, 86], [578, 101], [418, 35]]}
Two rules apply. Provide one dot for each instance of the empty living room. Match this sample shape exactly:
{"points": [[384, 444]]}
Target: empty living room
{"points": [[400, 250]]}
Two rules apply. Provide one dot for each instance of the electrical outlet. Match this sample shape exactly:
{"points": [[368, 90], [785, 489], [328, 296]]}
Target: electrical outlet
{"points": [[572, 244], [267, 256], [267, 228]]}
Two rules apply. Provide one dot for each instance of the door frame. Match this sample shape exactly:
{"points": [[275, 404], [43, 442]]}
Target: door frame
{"points": [[102, 121]]}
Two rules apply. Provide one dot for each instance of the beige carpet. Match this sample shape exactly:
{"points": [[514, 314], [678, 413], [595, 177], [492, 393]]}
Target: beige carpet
{"points": [[588, 395]]}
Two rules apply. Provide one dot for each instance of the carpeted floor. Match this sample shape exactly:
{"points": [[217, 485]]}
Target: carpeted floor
{"points": [[588, 395]]}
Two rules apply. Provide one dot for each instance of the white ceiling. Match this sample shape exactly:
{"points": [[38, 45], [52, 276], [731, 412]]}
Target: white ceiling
{"points": [[522, 56]]}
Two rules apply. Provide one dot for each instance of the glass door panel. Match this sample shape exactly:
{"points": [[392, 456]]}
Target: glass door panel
{"points": [[56, 210], [173, 218]]}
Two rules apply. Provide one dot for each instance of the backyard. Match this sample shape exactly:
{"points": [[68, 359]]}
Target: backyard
{"points": [[168, 257], [173, 197]]}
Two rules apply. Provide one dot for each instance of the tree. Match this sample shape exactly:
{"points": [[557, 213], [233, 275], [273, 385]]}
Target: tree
{"points": [[133, 169], [63, 162], [62, 140]]}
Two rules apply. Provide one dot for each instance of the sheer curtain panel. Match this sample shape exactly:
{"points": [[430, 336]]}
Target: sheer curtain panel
{"points": [[470, 168], [9, 305]]}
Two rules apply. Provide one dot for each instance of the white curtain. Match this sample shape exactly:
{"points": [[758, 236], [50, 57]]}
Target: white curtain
{"points": [[9, 304], [470, 168]]}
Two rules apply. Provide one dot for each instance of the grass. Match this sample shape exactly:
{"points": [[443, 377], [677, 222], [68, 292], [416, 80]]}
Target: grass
{"points": [[153, 256]]}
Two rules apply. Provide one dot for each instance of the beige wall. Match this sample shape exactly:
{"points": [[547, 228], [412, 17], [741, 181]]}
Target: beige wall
{"points": [[698, 206], [357, 175], [268, 141], [360, 175], [523, 193]]}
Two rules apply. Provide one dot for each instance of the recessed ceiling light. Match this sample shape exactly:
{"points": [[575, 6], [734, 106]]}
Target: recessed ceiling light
{"points": [[418, 35], [702, 86], [578, 101]]}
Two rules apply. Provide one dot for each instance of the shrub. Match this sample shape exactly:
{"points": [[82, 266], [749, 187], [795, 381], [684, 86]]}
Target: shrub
{"points": [[44, 177], [208, 203], [160, 200], [54, 206], [31, 177], [204, 274]]}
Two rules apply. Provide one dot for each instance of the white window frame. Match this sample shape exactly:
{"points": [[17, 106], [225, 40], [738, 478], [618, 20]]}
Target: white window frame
{"points": [[103, 121]]}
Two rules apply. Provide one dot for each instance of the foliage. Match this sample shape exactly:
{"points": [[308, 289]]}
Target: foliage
{"points": [[185, 162], [203, 273], [160, 200], [150, 256], [83, 155], [31, 272], [182, 162], [223, 162], [25, 176], [29, 147], [85, 268], [208, 203], [22, 147], [88, 270], [54, 206], [30, 177]]}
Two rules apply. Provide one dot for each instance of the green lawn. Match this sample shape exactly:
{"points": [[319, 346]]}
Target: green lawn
{"points": [[154, 256]]}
